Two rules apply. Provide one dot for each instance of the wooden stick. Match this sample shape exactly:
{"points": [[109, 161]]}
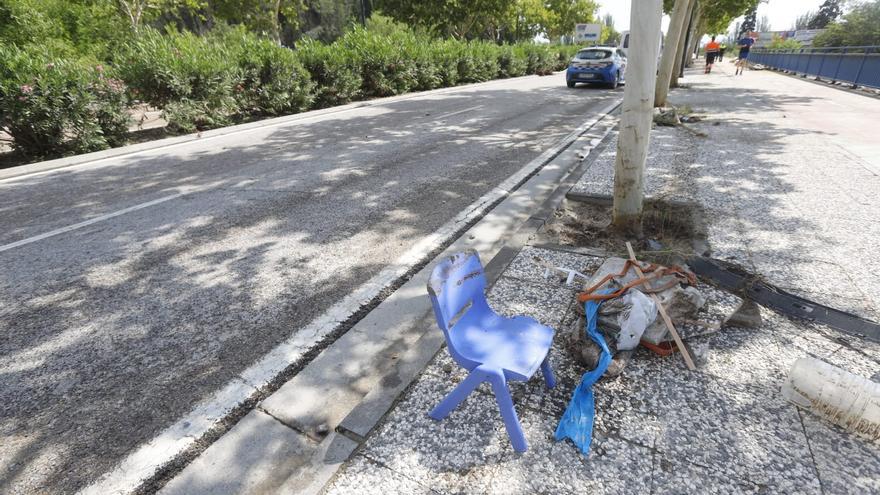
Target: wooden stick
{"points": [[666, 319]]}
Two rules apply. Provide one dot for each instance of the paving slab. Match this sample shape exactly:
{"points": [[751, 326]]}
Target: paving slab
{"points": [[447, 455], [365, 476], [672, 476], [671, 150], [746, 432], [546, 304], [847, 463], [256, 456], [558, 467]]}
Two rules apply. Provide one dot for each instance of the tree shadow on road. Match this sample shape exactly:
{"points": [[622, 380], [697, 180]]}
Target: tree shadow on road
{"points": [[115, 330]]}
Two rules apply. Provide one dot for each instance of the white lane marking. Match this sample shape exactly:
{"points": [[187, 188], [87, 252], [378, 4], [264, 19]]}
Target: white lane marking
{"points": [[130, 209], [446, 116], [90, 221], [151, 456]]}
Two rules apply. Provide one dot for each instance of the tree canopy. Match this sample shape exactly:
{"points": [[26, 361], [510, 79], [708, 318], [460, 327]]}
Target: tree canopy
{"points": [[492, 19], [858, 27], [828, 12], [718, 14]]}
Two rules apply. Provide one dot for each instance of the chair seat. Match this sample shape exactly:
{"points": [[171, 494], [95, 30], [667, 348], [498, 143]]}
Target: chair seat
{"points": [[517, 345]]}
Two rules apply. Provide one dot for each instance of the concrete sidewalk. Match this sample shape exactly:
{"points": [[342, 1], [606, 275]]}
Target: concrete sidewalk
{"points": [[786, 179]]}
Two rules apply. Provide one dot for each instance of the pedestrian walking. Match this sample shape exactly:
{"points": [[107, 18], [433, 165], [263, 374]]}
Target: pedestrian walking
{"points": [[712, 48], [745, 45], [721, 51]]}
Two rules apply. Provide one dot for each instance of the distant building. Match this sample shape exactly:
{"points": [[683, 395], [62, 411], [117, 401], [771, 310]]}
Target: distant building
{"points": [[803, 36], [765, 37], [806, 36]]}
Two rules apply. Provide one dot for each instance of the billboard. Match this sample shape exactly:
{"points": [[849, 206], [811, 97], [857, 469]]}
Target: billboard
{"points": [[587, 32]]}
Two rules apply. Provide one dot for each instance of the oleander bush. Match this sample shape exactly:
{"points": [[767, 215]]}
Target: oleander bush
{"points": [[272, 80], [202, 82], [386, 67], [57, 100], [510, 63], [55, 106], [337, 78]]}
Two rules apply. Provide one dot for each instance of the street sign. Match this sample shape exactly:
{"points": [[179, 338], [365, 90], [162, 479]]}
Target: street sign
{"points": [[587, 32]]}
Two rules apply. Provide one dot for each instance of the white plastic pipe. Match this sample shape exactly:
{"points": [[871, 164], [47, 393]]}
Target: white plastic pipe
{"points": [[843, 398]]}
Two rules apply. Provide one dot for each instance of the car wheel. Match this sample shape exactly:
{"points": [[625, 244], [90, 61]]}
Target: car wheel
{"points": [[613, 85], [570, 84]]}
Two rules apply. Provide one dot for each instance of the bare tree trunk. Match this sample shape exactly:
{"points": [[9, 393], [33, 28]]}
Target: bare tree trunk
{"points": [[133, 9], [681, 49], [674, 40], [697, 36], [635, 121]]}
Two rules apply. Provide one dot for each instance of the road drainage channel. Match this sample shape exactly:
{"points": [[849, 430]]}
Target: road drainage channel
{"points": [[736, 279]]}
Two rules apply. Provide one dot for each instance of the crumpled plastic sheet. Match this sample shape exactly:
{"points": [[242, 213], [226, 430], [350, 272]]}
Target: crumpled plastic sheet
{"points": [[640, 311], [577, 421]]}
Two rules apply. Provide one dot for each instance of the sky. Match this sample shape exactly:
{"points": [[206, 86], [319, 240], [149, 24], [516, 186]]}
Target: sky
{"points": [[781, 13]]}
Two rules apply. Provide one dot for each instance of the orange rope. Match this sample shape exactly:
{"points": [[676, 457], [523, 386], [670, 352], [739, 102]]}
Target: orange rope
{"points": [[681, 276]]}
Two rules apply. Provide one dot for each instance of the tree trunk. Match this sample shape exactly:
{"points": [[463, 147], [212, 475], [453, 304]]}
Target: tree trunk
{"points": [[674, 36], [689, 34], [681, 49], [635, 120], [697, 36]]}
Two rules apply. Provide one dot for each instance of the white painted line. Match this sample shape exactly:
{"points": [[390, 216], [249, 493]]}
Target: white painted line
{"points": [[141, 206], [446, 116], [144, 462], [90, 221]]}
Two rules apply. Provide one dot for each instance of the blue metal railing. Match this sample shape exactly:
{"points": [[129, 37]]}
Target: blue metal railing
{"points": [[858, 65]]}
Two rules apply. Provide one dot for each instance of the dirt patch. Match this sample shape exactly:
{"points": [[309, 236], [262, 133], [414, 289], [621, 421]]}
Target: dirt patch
{"points": [[670, 231]]}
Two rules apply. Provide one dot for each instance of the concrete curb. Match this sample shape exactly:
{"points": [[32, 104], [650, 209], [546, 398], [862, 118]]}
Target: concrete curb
{"points": [[122, 151]]}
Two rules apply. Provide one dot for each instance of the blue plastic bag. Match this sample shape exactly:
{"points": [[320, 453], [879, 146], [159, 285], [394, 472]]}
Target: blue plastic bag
{"points": [[577, 422]]}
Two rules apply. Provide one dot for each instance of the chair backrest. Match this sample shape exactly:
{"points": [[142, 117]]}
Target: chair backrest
{"points": [[455, 282]]}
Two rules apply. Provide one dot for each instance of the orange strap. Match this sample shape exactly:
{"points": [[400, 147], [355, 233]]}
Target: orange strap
{"points": [[681, 276]]}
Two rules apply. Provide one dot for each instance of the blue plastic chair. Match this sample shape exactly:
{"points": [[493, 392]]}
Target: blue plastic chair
{"points": [[491, 347]]}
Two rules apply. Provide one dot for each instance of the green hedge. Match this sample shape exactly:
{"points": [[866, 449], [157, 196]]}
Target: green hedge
{"points": [[216, 80], [59, 105], [53, 106]]}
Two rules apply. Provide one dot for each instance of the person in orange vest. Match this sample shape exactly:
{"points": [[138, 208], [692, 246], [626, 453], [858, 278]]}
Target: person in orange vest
{"points": [[712, 51]]}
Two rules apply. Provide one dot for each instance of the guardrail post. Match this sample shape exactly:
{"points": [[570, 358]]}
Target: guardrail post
{"points": [[839, 63], [855, 83], [807, 58]]}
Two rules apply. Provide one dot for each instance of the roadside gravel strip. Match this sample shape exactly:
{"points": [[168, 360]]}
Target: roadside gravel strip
{"points": [[257, 380]]}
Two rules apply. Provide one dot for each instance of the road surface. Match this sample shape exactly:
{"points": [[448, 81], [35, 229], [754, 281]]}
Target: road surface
{"points": [[196, 260]]}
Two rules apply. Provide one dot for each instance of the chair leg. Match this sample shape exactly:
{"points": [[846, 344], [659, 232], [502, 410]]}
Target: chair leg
{"points": [[508, 413], [547, 371], [458, 394]]}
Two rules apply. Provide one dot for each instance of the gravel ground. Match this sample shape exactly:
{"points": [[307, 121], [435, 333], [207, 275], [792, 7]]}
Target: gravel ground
{"points": [[659, 428]]}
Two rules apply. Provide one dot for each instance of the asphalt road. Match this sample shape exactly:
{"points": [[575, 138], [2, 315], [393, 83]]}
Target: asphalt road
{"points": [[112, 331]]}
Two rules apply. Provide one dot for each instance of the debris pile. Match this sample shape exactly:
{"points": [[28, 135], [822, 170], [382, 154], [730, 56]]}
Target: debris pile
{"points": [[645, 304], [671, 117]]}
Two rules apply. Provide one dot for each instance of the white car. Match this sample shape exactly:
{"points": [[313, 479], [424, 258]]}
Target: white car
{"points": [[623, 44]]}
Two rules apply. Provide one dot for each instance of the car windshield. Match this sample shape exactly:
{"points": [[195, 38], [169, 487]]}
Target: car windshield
{"points": [[593, 54]]}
